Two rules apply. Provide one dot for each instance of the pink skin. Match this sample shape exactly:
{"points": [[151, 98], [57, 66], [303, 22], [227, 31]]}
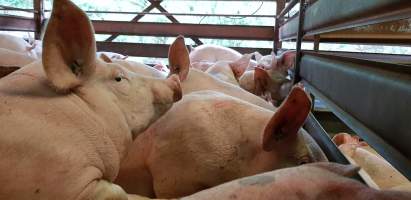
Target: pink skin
{"points": [[318, 181], [380, 171], [111, 55], [19, 45], [203, 55], [230, 71], [67, 121], [269, 79], [195, 80], [209, 138], [11, 61]]}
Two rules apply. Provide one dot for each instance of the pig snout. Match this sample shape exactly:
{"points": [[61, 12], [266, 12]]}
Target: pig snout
{"points": [[174, 83]]}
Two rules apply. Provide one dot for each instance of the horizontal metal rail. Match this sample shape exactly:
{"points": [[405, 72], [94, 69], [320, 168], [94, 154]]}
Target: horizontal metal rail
{"points": [[327, 16], [13, 23], [372, 98], [188, 30], [175, 14], [9, 8], [287, 8], [387, 58], [157, 50]]}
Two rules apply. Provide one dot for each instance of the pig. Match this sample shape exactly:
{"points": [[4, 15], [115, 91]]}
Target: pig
{"points": [[204, 56], [18, 45], [195, 80], [230, 71], [202, 65], [315, 181], [209, 138], [11, 61], [108, 56], [380, 171], [270, 81], [67, 121]]}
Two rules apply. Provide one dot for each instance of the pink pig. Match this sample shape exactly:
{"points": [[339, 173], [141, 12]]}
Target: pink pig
{"points": [[209, 138]]}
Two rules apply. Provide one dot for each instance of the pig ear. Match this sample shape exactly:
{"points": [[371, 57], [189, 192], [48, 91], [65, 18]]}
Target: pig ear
{"points": [[261, 81], [288, 118], [105, 58], [69, 56], [240, 65], [286, 60], [343, 170], [178, 58], [341, 138]]}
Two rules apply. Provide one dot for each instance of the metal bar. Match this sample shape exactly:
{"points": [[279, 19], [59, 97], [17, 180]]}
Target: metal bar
{"points": [[387, 58], [13, 23], [328, 16], [300, 35], [332, 152], [287, 8], [176, 14], [372, 98], [38, 17], [280, 4], [156, 50], [136, 18], [9, 8], [174, 20], [316, 42], [188, 30], [316, 131]]}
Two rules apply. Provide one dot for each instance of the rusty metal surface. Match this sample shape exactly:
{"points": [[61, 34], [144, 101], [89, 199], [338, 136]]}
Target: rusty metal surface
{"points": [[174, 20], [13, 23], [188, 30], [38, 17], [300, 35], [287, 8], [156, 50], [327, 16], [277, 44], [372, 98], [135, 19]]}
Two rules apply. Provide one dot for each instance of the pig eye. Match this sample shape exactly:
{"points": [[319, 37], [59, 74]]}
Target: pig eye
{"points": [[118, 78]]}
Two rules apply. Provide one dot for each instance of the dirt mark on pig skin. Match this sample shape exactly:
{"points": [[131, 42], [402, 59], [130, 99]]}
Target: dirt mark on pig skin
{"points": [[257, 180]]}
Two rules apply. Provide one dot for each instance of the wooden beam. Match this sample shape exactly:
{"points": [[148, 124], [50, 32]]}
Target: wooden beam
{"points": [[188, 30]]}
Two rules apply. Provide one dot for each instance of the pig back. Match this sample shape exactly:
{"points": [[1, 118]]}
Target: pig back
{"points": [[207, 134], [48, 142], [197, 81]]}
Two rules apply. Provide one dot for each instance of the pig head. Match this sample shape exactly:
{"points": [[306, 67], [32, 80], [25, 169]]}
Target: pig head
{"points": [[269, 79], [67, 121], [209, 138]]}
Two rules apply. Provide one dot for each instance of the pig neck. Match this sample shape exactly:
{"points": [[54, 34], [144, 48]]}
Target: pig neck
{"points": [[110, 117], [111, 131], [197, 80], [135, 176]]}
